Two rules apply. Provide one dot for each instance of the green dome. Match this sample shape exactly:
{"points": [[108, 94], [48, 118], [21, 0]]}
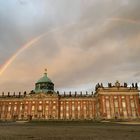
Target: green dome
{"points": [[44, 79], [44, 85]]}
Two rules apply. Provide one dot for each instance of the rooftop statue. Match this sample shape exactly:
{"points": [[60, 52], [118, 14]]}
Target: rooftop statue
{"points": [[117, 84]]}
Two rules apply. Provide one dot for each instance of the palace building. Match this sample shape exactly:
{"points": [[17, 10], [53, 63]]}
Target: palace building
{"points": [[43, 103]]}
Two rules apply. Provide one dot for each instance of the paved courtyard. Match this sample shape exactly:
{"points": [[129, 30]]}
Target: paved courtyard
{"points": [[69, 131]]}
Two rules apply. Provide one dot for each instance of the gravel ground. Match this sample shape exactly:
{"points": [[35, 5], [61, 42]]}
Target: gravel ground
{"points": [[69, 131]]}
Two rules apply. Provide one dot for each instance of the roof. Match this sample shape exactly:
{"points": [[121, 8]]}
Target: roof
{"points": [[44, 79]]}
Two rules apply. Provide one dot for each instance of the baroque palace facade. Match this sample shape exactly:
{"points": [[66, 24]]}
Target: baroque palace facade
{"points": [[113, 102]]}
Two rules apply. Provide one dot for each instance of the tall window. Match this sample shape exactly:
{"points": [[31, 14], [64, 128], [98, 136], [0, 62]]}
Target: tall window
{"points": [[78, 108], [3, 108], [9, 108], [116, 103], [67, 108], [116, 106], [123, 104], [40, 107], [26, 107], [47, 108], [54, 107], [84, 107], [73, 108], [67, 115], [107, 105], [61, 115], [33, 108], [15, 108], [21, 107], [132, 104], [61, 108], [108, 109]]}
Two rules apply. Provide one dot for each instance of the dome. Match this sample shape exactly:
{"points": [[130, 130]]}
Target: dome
{"points": [[44, 85], [44, 79]]}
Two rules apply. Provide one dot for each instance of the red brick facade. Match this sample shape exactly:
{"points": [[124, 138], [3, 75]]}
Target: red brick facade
{"points": [[118, 102], [47, 106], [115, 102]]}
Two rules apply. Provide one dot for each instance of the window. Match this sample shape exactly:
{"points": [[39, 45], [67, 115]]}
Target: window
{"points": [[116, 103], [90, 107], [84, 107], [21, 107], [53, 113], [15, 108], [125, 113], [40, 107], [3, 108], [78, 108], [61, 108], [67, 108], [107, 104], [115, 97], [54, 107], [26, 107], [67, 114], [61, 115], [47, 108], [116, 109], [123, 104], [73, 108], [33, 108], [132, 104], [9, 108], [122, 97]]}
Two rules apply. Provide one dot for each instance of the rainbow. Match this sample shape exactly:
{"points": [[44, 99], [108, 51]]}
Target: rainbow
{"points": [[27, 45], [36, 39]]}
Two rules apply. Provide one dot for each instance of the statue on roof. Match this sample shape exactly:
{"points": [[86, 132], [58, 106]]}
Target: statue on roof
{"points": [[136, 85], [117, 84], [125, 84], [109, 85]]}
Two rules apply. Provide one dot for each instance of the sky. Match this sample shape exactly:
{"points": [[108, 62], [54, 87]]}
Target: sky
{"points": [[80, 42]]}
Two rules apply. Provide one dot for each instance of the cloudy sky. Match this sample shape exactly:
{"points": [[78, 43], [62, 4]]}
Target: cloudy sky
{"points": [[80, 42]]}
